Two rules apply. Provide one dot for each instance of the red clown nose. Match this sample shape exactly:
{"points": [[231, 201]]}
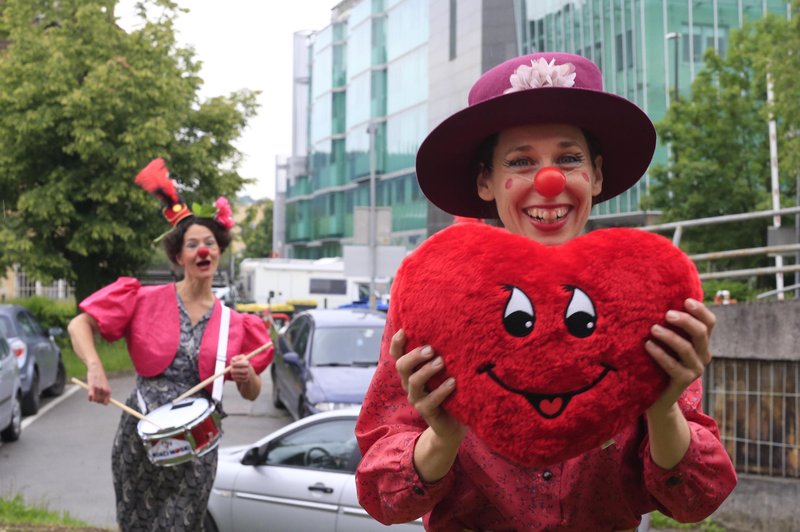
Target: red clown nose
{"points": [[549, 181], [202, 253]]}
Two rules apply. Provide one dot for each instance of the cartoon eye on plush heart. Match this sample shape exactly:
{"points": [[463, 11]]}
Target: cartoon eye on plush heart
{"points": [[546, 343]]}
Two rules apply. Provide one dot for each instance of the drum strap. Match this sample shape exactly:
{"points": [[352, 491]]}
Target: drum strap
{"points": [[142, 404], [222, 356], [222, 352]]}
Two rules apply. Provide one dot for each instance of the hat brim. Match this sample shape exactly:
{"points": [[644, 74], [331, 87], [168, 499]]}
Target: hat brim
{"points": [[447, 169]]}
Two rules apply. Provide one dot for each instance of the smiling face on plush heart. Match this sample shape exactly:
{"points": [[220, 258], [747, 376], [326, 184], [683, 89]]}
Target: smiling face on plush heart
{"points": [[546, 343]]}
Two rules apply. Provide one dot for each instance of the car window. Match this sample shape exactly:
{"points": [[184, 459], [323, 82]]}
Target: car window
{"points": [[329, 445], [5, 327], [35, 324], [346, 346], [297, 334], [4, 349], [27, 325]]}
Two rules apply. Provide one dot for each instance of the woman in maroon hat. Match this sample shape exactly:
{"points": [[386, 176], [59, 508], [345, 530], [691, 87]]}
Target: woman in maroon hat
{"points": [[538, 145], [177, 335]]}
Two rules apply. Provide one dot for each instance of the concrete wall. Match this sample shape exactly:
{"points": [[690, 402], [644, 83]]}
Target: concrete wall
{"points": [[766, 331]]}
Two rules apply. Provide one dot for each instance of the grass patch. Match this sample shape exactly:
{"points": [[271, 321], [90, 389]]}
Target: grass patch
{"points": [[16, 512], [659, 520], [114, 357]]}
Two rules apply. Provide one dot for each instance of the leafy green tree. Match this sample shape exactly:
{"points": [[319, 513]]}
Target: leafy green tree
{"points": [[777, 51], [83, 107], [257, 230], [719, 139]]}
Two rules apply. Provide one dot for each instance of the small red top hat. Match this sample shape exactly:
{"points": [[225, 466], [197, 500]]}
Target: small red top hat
{"points": [[154, 178]]}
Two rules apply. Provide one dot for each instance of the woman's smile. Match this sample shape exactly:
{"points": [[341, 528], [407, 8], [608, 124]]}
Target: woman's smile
{"points": [[548, 218]]}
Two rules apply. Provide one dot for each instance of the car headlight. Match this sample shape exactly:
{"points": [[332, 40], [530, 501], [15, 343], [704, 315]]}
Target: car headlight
{"points": [[327, 405]]}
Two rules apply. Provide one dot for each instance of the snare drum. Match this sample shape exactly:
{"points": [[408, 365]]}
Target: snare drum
{"points": [[174, 434]]}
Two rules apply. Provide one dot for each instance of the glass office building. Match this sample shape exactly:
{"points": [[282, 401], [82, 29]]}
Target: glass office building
{"points": [[397, 67], [368, 73]]}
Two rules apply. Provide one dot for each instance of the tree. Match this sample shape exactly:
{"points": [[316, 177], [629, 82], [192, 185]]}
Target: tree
{"points": [[719, 138], [257, 230], [85, 105]]}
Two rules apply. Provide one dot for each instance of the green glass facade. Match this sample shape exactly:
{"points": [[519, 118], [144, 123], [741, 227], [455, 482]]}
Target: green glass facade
{"points": [[371, 68], [368, 69]]}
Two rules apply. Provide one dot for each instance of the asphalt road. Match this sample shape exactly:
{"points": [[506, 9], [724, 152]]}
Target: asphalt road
{"points": [[62, 461]]}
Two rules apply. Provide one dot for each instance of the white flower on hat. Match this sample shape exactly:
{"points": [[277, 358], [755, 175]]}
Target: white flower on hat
{"points": [[541, 74]]}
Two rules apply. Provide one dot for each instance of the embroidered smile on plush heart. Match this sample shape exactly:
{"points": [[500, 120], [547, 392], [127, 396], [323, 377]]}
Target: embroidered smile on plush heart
{"points": [[546, 343]]}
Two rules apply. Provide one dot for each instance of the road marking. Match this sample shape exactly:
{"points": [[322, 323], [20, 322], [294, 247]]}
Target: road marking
{"points": [[71, 389]]}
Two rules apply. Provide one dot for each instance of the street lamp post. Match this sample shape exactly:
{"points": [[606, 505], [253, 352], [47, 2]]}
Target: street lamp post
{"points": [[674, 35], [373, 216]]}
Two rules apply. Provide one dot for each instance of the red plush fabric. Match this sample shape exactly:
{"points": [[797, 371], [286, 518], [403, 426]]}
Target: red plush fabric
{"points": [[546, 343]]}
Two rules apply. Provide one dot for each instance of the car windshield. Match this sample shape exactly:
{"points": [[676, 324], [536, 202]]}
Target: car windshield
{"points": [[346, 346]]}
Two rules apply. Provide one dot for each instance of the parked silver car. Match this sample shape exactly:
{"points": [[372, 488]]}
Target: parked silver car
{"points": [[10, 395], [300, 477], [38, 356]]}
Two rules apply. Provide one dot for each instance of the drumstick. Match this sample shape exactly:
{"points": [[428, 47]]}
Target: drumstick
{"points": [[205, 383], [114, 402]]}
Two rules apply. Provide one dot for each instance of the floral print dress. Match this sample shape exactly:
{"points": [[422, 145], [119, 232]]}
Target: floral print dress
{"points": [[152, 497]]}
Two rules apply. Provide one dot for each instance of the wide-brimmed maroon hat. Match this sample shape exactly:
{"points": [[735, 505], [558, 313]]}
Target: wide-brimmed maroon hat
{"points": [[540, 88]]}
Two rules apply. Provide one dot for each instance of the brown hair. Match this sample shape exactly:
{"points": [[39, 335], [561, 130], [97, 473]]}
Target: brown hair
{"points": [[173, 242]]}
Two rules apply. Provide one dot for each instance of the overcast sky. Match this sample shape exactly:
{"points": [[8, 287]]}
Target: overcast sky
{"points": [[247, 44]]}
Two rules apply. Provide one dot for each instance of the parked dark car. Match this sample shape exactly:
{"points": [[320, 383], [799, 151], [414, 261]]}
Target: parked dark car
{"points": [[41, 370], [325, 359], [10, 395]]}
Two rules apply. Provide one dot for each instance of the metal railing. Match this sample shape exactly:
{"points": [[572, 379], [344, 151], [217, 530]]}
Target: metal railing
{"points": [[713, 220], [679, 226], [756, 402]]}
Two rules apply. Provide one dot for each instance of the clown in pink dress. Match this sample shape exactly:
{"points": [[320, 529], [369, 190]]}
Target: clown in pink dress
{"points": [[172, 335]]}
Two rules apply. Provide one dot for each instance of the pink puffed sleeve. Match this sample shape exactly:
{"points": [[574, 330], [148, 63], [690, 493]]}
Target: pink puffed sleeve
{"points": [[256, 335], [112, 307]]}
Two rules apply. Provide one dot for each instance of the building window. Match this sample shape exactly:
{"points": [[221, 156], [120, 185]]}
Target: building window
{"points": [[625, 51], [453, 14], [598, 55], [702, 40]]}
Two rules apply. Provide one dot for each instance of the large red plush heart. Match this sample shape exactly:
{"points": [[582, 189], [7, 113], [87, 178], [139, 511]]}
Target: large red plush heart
{"points": [[546, 343]]}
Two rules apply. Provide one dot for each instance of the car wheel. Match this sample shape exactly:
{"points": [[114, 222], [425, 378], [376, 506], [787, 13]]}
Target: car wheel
{"points": [[14, 428], [57, 387], [276, 398], [208, 523], [30, 400]]}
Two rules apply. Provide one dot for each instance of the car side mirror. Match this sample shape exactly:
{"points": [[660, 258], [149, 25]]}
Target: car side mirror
{"points": [[55, 331], [253, 456], [293, 358]]}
